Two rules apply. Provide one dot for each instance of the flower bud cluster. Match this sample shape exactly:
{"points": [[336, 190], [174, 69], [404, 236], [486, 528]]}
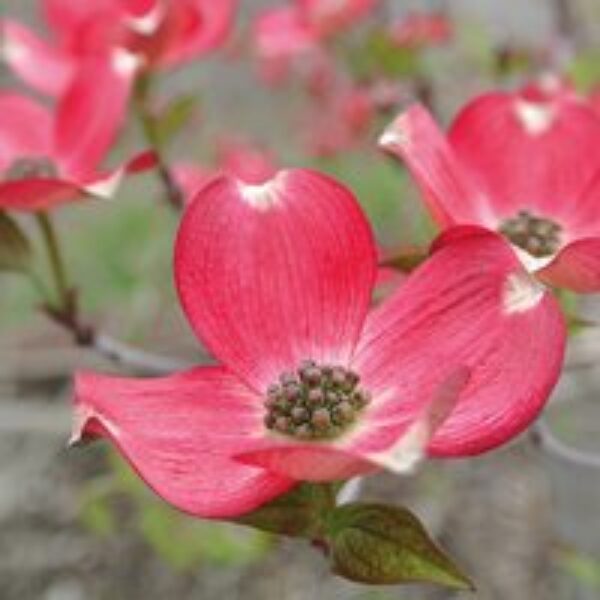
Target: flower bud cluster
{"points": [[538, 236], [314, 402]]}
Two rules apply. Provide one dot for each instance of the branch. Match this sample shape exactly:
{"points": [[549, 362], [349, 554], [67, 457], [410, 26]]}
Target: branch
{"points": [[135, 358], [544, 439], [142, 94], [86, 336]]}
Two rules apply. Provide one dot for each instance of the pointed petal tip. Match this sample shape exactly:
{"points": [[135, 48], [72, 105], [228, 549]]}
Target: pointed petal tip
{"points": [[262, 196], [522, 292], [410, 450], [398, 133]]}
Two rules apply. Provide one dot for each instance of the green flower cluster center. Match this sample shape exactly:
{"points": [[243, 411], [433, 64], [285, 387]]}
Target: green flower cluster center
{"points": [[34, 167], [315, 402], [538, 236]]}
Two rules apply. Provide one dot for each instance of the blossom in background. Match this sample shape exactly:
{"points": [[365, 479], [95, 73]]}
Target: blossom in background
{"points": [[417, 30], [48, 158], [301, 29], [248, 163], [158, 33], [524, 165], [339, 120], [276, 280]]}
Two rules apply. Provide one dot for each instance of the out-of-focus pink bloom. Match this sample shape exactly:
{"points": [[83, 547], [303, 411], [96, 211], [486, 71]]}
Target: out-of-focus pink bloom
{"points": [[417, 30], [525, 166], [339, 122], [250, 164], [276, 280], [48, 160], [327, 17], [158, 33], [299, 29]]}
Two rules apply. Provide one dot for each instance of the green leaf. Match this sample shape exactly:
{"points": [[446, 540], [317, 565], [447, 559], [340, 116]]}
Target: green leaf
{"points": [[379, 56], [378, 544], [177, 113], [15, 250], [585, 71], [299, 513]]}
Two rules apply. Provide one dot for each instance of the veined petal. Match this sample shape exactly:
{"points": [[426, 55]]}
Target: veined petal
{"points": [[471, 305], [29, 195], [272, 274], [25, 129], [583, 218], [447, 187], [527, 153], [179, 433], [41, 65], [576, 267], [92, 112]]}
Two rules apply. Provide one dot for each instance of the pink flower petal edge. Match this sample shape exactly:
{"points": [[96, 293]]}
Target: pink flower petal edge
{"points": [[178, 433], [448, 189], [294, 282], [576, 267]]}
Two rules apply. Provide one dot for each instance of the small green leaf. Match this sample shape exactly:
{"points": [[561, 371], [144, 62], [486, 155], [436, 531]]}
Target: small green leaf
{"points": [[585, 71], [299, 513], [15, 250], [177, 113], [378, 544]]}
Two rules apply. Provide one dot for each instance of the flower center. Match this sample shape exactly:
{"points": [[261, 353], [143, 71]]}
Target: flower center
{"points": [[315, 402], [540, 237], [31, 167]]}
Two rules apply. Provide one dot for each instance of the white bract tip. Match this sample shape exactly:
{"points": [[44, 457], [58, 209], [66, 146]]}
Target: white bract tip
{"points": [[393, 136], [148, 24], [536, 118], [81, 415], [125, 62], [407, 453], [263, 196], [105, 188], [522, 292], [11, 51], [530, 262]]}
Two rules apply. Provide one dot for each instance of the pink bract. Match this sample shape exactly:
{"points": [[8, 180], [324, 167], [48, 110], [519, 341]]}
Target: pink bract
{"points": [[511, 161], [458, 360], [157, 33], [417, 30], [47, 160]]}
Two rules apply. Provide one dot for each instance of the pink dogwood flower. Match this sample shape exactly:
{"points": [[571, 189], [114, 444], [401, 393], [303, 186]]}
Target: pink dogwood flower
{"points": [[48, 159], [417, 30], [524, 165], [158, 33], [276, 281], [302, 29]]}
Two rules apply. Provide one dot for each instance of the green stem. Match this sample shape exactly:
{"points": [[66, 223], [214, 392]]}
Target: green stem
{"points": [[55, 259], [141, 102]]}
